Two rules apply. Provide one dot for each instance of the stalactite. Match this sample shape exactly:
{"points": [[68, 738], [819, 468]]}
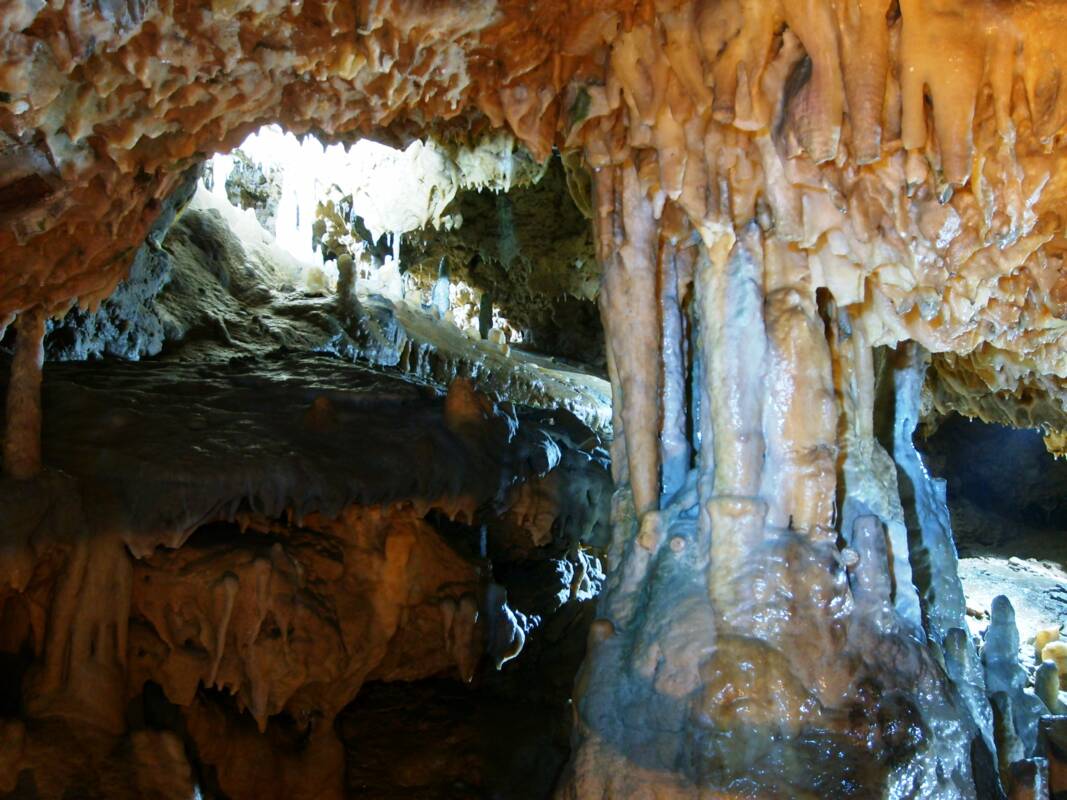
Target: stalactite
{"points": [[817, 110], [22, 438], [674, 444], [865, 67], [632, 329], [733, 345]]}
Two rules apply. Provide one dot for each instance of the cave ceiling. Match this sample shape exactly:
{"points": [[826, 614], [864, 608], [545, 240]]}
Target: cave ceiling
{"points": [[907, 156]]}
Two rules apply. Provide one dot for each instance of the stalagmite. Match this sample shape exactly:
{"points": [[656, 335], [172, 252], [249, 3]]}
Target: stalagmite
{"points": [[22, 436], [1029, 780], [1006, 677], [347, 300], [1043, 637], [1047, 687], [1010, 749], [1056, 652]]}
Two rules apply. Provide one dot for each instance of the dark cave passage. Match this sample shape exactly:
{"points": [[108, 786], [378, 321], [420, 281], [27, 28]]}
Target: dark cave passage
{"points": [[442, 740], [1007, 497], [1005, 475]]}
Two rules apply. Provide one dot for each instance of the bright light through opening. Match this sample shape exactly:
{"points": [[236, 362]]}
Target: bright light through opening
{"points": [[393, 191]]}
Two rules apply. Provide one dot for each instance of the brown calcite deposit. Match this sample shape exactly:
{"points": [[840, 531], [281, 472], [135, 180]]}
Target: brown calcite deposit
{"points": [[795, 204], [223, 581]]}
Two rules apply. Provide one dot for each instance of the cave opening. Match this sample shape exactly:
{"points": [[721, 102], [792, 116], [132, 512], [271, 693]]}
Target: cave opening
{"points": [[487, 238], [1005, 494]]}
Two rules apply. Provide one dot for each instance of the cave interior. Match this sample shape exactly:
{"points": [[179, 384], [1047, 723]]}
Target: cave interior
{"points": [[632, 400]]}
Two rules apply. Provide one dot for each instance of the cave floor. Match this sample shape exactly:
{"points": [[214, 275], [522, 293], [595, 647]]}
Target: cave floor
{"points": [[440, 740], [1027, 564]]}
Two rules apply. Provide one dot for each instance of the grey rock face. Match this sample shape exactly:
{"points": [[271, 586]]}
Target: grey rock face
{"points": [[251, 186], [127, 325]]}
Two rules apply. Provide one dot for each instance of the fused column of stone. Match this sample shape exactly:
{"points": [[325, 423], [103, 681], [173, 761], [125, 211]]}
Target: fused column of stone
{"points": [[964, 667], [933, 550], [83, 673], [779, 619], [869, 474], [632, 323], [800, 413], [733, 345], [22, 437], [675, 266]]}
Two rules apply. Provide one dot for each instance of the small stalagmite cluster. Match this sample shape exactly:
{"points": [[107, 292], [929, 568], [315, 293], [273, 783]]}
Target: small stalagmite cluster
{"points": [[805, 212]]}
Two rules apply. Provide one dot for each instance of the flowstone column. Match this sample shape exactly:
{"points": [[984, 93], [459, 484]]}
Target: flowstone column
{"points": [[742, 649], [82, 677], [22, 437]]}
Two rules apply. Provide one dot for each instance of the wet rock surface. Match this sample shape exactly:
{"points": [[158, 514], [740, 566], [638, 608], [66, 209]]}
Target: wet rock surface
{"points": [[258, 538]]}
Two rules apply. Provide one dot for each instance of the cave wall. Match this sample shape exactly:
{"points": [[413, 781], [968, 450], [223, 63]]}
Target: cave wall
{"points": [[531, 250], [215, 565]]}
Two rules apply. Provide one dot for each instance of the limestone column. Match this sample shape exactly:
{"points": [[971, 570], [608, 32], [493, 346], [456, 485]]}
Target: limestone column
{"points": [[22, 437]]}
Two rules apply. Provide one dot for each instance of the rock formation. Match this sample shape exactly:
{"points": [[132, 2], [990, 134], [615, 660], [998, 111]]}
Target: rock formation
{"points": [[794, 205], [254, 563]]}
